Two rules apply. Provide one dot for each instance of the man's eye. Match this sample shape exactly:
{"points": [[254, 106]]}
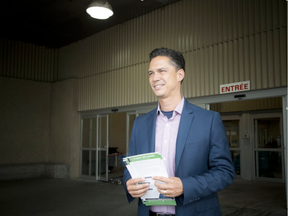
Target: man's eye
{"points": [[150, 73]]}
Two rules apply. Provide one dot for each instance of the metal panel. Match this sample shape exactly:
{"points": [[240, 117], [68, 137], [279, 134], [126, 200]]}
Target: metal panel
{"points": [[27, 61], [222, 41]]}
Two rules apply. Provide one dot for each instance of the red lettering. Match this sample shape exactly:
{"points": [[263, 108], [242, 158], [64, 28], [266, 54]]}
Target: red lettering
{"points": [[232, 87], [241, 86], [227, 89], [223, 89], [236, 87], [246, 86]]}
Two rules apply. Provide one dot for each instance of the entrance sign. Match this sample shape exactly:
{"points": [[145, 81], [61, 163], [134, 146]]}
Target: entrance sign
{"points": [[235, 87]]}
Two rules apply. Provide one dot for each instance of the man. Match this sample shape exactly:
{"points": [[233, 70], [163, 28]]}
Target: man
{"points": [[192, 142]]}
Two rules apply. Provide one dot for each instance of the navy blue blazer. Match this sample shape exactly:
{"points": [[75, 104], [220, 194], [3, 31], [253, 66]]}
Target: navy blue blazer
{"points": [[202, 161]]}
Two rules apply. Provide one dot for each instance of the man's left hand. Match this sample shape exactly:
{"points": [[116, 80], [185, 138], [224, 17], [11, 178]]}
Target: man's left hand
{"points": [[173, 186]]}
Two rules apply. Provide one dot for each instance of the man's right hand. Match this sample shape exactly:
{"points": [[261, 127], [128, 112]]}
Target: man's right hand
{"points": [[137, 190]]}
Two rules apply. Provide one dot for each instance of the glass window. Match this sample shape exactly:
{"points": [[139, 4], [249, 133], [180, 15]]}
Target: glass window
{"points": [[235, 155], [85, 162], [268, 133], [86, 133], [269, 164], [102, 132], [232, 131]]}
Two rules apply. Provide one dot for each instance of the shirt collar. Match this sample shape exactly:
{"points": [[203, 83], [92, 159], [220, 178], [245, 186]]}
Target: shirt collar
{"points": [[178, 108]]}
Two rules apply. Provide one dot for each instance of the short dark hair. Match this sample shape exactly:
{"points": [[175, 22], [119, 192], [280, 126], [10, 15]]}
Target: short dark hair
{"points": [[176, 57]]}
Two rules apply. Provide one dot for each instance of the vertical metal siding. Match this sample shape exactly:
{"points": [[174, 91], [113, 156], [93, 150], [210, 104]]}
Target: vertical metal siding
{"points": [[222, 41], [27, 61], [116, 88]]}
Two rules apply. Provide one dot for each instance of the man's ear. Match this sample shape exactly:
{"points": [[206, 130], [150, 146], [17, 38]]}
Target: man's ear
{"points": [[181, 75]]}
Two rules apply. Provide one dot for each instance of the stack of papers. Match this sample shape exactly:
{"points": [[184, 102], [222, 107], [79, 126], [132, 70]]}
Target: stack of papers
{"points": [[148, 165]]}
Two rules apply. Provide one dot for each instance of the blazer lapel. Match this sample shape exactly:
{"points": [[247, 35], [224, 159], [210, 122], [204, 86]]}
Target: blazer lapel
{"points": [[183, 131], [151, 130]]}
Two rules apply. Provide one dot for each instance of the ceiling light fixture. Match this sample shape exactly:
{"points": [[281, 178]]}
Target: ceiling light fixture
{"points": [[100, 10]]}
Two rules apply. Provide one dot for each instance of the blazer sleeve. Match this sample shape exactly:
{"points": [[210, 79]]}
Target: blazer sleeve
{"points": [[220, 168], [132, 151]]}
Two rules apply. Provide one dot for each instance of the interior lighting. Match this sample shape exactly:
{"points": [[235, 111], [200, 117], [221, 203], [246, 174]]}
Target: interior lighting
{"points": [[100, 10]]}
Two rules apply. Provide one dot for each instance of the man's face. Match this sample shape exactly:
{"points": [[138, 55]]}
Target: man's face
{"points": [[164, 79]]}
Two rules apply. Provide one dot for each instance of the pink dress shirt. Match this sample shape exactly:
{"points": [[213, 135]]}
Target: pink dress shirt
{"points": [[165, 143]]}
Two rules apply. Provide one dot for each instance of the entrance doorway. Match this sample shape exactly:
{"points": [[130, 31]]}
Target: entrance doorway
{"points": [[255, 138], [268, 146], [94, 147], [104, 143]]}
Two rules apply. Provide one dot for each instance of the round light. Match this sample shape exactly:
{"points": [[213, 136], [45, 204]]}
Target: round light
{"points": [[99, 10]]}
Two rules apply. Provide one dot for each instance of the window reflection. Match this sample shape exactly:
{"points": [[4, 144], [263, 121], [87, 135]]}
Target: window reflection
{"points": [[232, 131], [269, 164], [235, 155], [268, 133], [85, 163]]}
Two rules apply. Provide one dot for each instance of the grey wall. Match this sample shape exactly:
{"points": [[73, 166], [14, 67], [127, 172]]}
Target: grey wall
{"points": [[65, 125], [25, 121], [39, 125]]}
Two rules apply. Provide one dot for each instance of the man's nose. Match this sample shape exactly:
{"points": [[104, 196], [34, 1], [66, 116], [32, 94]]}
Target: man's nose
{"points": [[156, 76]]}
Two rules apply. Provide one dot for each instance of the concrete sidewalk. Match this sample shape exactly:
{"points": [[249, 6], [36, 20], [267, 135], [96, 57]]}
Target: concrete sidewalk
{"points": [[55, 197]]}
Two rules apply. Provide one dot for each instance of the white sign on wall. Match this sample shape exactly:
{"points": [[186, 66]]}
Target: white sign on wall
{"points": [[235, 87]]}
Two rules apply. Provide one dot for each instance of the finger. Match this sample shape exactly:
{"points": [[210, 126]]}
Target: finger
{"points": [[161, 186], [134, 181], [137, 187], [138, 190], [160, 181], [160, 178], [164, 193]]}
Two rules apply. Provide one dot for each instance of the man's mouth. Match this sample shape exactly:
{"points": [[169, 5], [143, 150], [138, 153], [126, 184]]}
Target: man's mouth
{"points": [[158, 86]]}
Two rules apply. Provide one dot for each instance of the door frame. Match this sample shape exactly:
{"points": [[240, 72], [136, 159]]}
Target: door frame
{"points": [[128, 114], [254, 149], [105, 149], [237, 117]]}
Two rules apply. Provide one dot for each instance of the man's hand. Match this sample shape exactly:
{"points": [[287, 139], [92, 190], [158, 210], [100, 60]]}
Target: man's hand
{"points": [[172, 188], [137, 190]]}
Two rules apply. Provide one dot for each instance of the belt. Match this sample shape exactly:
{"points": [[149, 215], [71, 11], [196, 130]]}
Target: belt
{"points": [[160, 214]]}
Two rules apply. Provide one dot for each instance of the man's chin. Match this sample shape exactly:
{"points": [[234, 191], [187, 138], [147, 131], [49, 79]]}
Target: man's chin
{"points": [[159, 96]]}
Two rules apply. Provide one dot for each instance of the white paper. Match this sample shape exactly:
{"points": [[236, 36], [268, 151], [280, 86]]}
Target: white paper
{"points": [[147, 165]]}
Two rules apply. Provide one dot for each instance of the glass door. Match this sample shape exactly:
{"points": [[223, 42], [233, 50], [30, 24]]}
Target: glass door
{"points": [[232, 126], [268, 147], [102, 146], [130, 117], [88, 147]]}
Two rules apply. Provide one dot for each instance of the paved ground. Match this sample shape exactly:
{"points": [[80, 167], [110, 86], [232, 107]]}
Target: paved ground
{"points": [[54, 197]]}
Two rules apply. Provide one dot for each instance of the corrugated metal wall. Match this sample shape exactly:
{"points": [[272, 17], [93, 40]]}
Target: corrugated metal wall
{"points": [[28, 61], [223, 41]]}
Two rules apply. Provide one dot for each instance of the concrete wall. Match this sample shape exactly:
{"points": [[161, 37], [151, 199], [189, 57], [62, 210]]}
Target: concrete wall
{"points": [[39, 129], [35, 170], [25, 121], [65, 130]]}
